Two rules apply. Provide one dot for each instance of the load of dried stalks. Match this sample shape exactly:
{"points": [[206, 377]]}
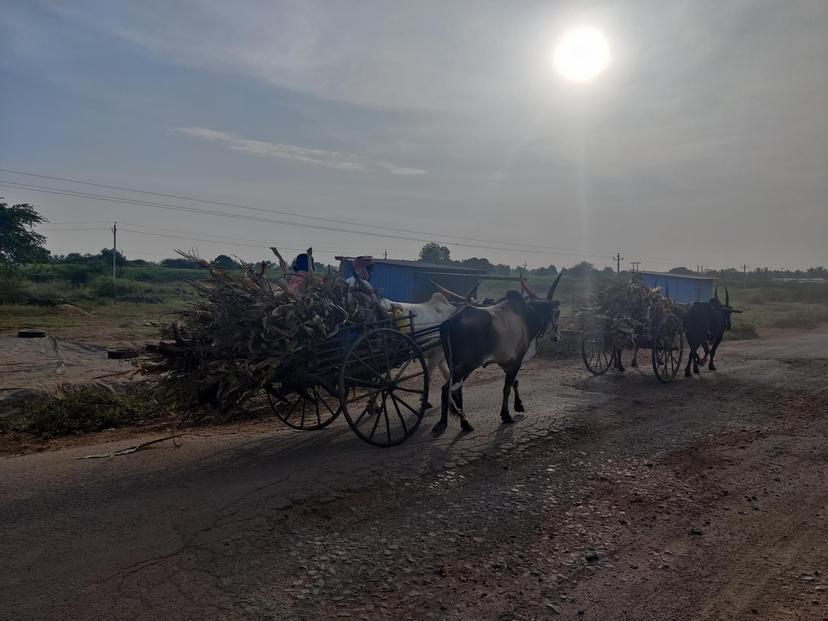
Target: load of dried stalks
{"points": [[623, 310], [245, 331]]}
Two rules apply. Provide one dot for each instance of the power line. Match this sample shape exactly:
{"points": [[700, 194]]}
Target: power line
{"points": [[276, 211], [171, 207]]}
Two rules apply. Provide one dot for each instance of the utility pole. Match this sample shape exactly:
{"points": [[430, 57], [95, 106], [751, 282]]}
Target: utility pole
{"points": [[634, 265], [114, 248], [618, 258], [744, 282], [385, 254]]}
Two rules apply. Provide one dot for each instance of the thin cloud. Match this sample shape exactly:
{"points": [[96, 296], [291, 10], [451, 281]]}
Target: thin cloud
{"points": [[317, 157]]}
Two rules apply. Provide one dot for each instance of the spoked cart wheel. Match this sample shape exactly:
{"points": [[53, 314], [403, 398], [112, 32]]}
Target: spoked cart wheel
{"points": [[668, 349], [596, 352], [306, 408], [383, 387]]}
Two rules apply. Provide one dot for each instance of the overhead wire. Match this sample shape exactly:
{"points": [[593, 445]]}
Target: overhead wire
{"points": [[182, 208]]}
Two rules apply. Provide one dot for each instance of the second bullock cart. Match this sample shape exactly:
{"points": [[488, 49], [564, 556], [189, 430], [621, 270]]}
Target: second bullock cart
{"points": [[664, 337]]}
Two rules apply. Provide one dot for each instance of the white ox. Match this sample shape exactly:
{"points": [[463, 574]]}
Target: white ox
{"points": [[423, 316]]}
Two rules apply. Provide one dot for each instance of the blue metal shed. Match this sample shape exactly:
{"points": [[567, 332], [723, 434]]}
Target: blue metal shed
{"points": [[410, 281], [679, 287]]}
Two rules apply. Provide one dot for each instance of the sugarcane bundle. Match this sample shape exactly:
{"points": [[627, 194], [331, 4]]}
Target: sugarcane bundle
{"points": [[621, 310], [245, 331]]}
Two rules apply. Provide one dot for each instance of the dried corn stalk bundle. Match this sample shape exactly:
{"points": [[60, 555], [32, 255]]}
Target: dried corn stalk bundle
{"points": [[624, 309], [245, 331]]}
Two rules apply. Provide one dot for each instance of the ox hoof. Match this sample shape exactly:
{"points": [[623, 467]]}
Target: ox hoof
{"points": [[519, 407], [688, 373], [696, 370], [466, 425], [711, 367], [438, 429], [507, 419]]}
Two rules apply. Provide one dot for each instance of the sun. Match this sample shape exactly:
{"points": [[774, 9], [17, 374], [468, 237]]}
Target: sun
{"points": [[581, 54]]}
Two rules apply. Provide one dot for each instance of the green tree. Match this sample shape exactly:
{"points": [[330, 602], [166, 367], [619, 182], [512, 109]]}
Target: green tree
{"points": [[225, 262], [19, 242], [435, 253]]}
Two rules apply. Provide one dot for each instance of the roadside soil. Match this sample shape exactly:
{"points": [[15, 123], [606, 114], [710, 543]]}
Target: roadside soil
{"points": [[613, 497]]}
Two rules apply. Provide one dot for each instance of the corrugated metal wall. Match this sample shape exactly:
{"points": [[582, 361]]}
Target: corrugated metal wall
{"points": [[407, 284], [678, 289]]}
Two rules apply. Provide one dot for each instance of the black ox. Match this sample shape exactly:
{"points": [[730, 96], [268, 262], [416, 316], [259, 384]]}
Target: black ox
{"points": [[705, 324], [502, 333]]}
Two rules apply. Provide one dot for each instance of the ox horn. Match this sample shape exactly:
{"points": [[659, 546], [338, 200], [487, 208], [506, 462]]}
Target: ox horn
{"points": [[450, 294], [525, 287], [468, 297], [554, 286], [727, 297]]}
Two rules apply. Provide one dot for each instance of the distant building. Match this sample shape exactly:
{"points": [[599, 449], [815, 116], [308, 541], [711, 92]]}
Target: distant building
{"points": [[678, 287], [410, 281]]}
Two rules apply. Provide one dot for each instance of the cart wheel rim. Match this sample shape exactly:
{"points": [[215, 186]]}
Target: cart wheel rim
{"points": [[667, 360], [307, 409], [597, 357], [383, 387]]}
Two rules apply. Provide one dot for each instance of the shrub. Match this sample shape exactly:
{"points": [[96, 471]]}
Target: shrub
{"points": [[88, 409], [12, 289], [105, 287]]}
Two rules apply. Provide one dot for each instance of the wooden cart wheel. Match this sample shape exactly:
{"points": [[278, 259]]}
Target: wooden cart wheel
{"points": [[668, 349], [596, 352], [307, 408], [383, 387]]}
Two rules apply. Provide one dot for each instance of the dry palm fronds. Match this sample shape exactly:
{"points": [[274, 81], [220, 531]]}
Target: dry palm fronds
{"points": [[246, 331]]}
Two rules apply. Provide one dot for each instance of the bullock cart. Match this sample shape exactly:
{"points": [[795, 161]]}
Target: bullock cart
{"points": [[601, 347], [373, 373]]}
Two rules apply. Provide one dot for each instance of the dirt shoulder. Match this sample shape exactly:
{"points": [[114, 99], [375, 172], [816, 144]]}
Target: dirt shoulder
{"points": [[614, 498]]}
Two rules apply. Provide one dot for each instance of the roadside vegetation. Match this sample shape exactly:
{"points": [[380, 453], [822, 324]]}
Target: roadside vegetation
{"points": [[84, 409], [74, 297]]}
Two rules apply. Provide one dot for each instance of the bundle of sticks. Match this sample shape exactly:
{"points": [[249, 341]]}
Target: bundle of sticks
{"points": [[624, 309], [246, 330]]}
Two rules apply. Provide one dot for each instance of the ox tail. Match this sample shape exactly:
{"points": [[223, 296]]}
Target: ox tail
{"points": [[445, 341]]}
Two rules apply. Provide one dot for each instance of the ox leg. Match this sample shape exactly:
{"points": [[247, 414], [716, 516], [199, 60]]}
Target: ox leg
{"points": [[518, 403], [618, 364], [713, 349], [634, 364], [465, 425], [511, 374], [698, 358], [691, 357], [441, 425]]}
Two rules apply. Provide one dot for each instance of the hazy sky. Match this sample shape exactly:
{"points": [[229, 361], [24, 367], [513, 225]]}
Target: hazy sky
{"points": [[704, 142]]}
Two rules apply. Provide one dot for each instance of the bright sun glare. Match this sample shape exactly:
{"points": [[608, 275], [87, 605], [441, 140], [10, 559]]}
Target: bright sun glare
{"points": [[581, 54]]}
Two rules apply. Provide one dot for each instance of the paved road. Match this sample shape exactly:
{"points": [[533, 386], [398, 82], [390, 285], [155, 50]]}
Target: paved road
{"points": [[261, 522]]}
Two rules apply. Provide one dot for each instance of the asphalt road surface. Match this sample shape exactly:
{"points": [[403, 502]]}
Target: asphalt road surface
{"points": [[612, 498]]}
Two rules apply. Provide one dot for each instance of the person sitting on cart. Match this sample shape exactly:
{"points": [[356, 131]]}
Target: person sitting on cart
{"points": [[302, 268], [363, 270]]}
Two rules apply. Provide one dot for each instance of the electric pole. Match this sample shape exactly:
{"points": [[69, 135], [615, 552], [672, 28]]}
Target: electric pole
{"points": [[385, 254], [618, 258], [114, 247], [634, 265], [744, 282]]}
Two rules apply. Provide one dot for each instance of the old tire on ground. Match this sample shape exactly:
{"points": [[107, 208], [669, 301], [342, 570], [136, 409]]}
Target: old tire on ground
{"points": [[668, 349], [597, 354], [31, 334], [383, 387], [122, 354], [304, 408]]}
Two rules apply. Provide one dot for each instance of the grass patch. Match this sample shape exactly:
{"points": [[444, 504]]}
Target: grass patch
{"points": [[85, 410], [804, 319]]}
